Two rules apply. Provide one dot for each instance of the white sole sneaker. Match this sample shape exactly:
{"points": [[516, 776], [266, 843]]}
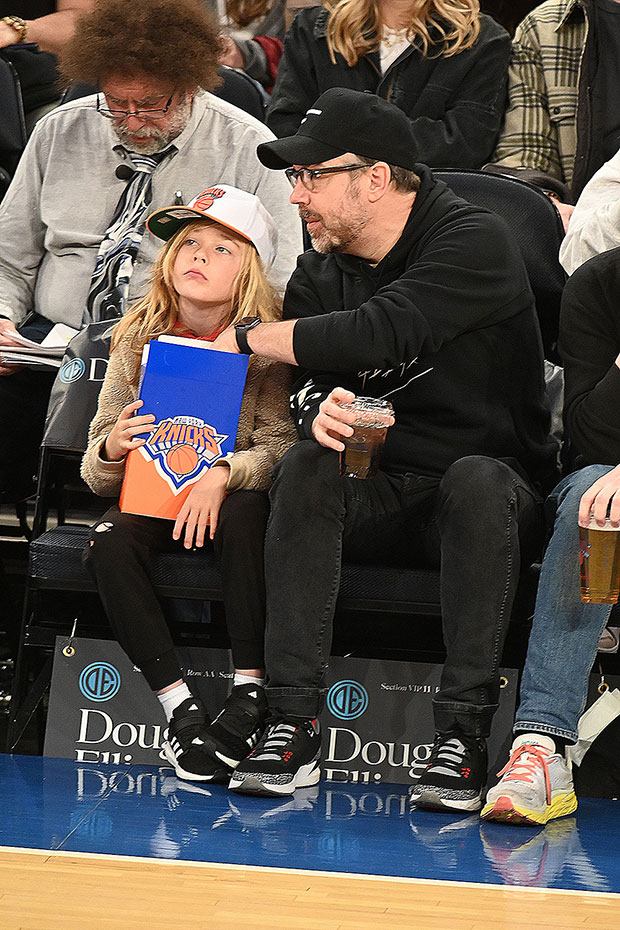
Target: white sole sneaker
{"points": [[506, 809], [433, 799], [271, 785], [183, 773]]}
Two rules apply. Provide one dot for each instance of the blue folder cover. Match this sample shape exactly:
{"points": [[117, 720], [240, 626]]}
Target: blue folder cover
{"points": [[195, 395]]}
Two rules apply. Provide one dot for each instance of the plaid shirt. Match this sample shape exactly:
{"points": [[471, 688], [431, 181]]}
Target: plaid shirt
{"points": [[541, 124]]}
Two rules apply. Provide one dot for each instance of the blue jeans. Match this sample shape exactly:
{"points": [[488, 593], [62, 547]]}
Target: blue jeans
{"points": [[565, 632], [479, 521]]}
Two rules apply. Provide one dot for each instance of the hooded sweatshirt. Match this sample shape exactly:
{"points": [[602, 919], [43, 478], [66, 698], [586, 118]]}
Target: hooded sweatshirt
{"points": [[444, 326]]}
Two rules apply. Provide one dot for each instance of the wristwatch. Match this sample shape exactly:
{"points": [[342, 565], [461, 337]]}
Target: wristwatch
{"points": [[18, 24], [242, 328]]}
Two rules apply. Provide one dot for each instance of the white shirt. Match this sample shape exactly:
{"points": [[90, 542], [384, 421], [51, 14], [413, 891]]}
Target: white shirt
{"points": [[594, 226], [393, 44]]}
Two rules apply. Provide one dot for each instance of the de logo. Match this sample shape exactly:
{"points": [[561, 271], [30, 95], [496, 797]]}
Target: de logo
{"points": [[72, 370], [99, 681], [347, 700]]}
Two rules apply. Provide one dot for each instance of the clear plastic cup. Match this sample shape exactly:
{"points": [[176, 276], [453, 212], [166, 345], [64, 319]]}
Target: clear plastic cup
{"points": [[599, 562], [362, 451]]}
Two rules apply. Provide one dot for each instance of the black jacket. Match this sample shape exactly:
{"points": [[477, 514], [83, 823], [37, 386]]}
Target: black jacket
{"points": [[589, 344], [456, 104], [444, 326]]}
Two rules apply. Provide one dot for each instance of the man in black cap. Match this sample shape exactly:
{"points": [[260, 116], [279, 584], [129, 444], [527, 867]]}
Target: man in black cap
{"points": [[414, 295]]}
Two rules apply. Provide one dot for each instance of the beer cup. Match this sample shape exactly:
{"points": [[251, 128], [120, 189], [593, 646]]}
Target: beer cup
{"points": [[360, 458], [599, 562]]}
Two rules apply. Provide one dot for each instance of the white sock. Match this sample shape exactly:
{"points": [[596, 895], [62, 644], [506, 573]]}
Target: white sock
{"points": [[537, 738], [247, 680], [171, 699]]}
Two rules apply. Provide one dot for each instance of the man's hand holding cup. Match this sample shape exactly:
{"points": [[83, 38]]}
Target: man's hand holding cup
{"points": [[332, 423], [356, 428]]}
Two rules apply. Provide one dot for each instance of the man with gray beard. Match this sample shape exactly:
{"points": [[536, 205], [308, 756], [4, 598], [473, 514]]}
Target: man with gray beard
{"points": [[73, 246]]}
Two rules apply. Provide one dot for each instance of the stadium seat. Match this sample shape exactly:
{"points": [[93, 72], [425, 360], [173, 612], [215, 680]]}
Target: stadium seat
{"points": [[55, 562], [538, 229], [55, 554]]}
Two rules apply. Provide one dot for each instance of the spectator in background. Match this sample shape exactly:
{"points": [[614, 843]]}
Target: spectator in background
{"points": [[73, 246], [254, 32], [562, 117], [595, 223], [537, 783], [442, 63], [47, 24]]}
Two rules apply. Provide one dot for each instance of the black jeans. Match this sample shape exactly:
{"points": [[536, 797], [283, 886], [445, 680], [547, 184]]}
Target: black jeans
{"points": [[118, 556], [24, 397], [475, 523]]}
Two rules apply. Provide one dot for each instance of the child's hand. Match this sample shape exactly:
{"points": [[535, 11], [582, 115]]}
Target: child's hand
{"points": [[202, 507], [124, 435]]}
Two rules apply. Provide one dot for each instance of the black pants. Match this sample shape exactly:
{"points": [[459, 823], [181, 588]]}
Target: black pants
{"points": [[119, 558], [24, 397], [475, 523]]}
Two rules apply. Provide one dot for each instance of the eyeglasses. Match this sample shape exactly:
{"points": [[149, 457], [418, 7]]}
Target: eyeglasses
{"points": [[308, 176], [155, 113]]}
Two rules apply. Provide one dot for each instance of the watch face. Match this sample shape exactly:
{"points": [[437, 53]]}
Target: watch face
{"points": [[248, 321]]}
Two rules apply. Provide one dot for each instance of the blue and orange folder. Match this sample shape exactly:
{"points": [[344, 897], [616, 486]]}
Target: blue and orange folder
{"points": [[195, 395]]}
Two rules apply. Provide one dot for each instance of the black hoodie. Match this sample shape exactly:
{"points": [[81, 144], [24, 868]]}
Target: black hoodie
{"points": [[444, 326], [589, 345]]}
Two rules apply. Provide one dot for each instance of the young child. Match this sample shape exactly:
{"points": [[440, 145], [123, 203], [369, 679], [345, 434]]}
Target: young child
{"points": [[209, 274]]}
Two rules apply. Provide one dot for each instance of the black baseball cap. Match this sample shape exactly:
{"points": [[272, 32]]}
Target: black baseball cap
{"points": [[344, 120]]}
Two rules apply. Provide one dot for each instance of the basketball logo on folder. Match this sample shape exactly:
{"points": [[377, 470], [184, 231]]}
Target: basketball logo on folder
{"points": [[181, 446], [195, 395]]}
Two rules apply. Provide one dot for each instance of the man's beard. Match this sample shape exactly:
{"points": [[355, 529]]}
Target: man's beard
{"points": [[154, 138], [339, 236]]}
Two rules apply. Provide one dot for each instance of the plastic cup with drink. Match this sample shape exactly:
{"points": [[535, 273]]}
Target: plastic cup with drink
{"points": [[360, 458], [599, 562]]}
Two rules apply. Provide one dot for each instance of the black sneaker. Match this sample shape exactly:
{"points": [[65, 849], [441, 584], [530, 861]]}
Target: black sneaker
{"points": [[455, 775], [239, 725], [287, 757], [186, 748]]}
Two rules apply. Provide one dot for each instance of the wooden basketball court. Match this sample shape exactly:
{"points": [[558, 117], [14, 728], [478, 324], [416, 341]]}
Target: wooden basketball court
{"points": [[133, 847]]}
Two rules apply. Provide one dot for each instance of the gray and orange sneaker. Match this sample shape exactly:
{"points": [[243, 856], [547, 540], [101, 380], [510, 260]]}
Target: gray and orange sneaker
{"points": [[536, 784]]}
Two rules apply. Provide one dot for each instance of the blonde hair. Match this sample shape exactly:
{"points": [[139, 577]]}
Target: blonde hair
{"points": [[354, 27], [158, 311]]}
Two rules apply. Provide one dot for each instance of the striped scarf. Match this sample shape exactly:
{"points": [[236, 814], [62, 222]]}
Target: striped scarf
{"points": [[109, 287]]}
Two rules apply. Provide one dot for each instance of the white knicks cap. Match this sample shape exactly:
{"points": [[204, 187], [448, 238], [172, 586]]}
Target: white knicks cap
{"points": [[236, 209]]}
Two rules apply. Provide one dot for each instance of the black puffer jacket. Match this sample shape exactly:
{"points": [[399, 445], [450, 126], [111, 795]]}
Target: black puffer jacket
{"points": [[456, 104]]}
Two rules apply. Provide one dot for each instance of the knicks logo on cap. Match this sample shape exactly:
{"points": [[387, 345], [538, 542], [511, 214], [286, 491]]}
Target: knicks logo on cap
{"points": [[207, 198], [181, 447]]}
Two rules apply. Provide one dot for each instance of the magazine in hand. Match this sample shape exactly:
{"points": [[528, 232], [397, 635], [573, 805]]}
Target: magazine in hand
{"points": [[47, 354], [195, 395]]}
